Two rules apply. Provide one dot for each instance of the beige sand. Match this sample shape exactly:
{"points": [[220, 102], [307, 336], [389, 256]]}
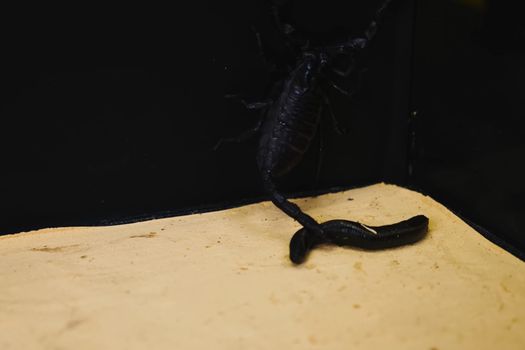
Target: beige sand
{"points": [[223, 280]]}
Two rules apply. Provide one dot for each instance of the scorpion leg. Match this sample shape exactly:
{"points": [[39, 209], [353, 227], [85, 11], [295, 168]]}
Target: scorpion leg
{"points": [[270, 67], [335, 123], [256, 105], [319, 155], [246, 135], [345, 73], [340, 89], [357, 44], [354, 234], [262, 54], [293, 39], [251, 105]]}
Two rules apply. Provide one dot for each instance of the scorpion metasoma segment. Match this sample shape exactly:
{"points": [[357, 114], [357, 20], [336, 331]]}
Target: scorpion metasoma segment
{"points": [[290, 120]]}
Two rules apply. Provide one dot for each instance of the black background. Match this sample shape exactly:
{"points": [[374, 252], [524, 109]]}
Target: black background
{"points": [[110, 114], [470, 97]]}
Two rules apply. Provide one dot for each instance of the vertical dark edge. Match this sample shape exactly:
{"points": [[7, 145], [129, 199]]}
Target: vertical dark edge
{"points": [[415, 150], [396, 157], [412, 112]]}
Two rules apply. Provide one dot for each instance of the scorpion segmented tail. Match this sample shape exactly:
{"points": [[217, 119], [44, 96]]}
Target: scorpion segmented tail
{"points": [[290, 208]]}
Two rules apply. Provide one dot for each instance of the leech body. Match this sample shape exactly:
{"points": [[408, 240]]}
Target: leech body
{"points": [[352, 234]]}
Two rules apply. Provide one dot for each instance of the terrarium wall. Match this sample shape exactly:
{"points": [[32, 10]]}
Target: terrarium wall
{"points": [[470, 141], [111, 113]]}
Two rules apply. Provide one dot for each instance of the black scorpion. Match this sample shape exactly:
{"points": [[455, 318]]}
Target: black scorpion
{"points": [[289, 124]]}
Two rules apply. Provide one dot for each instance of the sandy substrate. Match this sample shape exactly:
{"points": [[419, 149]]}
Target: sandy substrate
{"points": [[223, 280]]}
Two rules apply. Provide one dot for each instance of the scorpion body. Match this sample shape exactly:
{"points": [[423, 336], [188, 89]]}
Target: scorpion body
{"points": [[290, 121], [288, 129]]}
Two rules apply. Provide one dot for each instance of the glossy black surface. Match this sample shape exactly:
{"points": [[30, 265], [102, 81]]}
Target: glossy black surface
{"points": [[347, 233]]}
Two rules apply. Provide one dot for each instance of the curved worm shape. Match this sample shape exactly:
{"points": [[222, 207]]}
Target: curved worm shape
{"points": [[354, 234]]}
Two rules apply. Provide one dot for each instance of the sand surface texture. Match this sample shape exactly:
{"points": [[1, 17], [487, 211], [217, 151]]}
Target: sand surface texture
{"points": [[223, 280]]}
